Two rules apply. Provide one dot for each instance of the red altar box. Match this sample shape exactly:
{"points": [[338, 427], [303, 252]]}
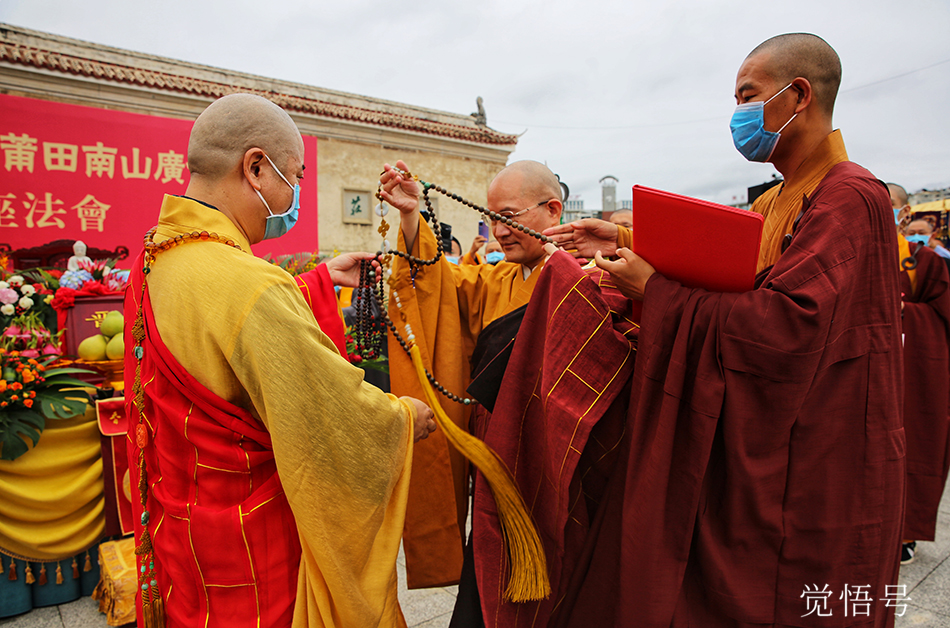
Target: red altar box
{"points": [[113, 426], [698, 243]]}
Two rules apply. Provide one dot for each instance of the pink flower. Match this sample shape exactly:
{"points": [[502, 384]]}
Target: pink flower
{"points": [[8, 296]]}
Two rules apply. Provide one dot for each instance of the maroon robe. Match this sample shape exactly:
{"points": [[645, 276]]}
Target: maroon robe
{"points": [[926, 392], [763, 450], [558, 435]]}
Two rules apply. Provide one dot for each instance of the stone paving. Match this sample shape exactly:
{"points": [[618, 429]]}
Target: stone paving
{"points": [[927, 580]]}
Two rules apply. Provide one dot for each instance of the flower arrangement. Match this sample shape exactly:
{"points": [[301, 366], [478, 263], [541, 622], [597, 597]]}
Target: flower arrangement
{"points": [[30, 393], [96, 272], [26, 293]]}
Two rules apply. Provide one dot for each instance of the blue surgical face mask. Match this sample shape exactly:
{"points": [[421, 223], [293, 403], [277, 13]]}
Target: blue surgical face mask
{"points": [[918, 237], [279, 224], [453, 259], [494, 257], [748, 130], [897, 211]]}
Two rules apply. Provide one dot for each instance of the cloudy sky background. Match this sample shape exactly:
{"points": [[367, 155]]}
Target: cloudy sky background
{"points": [[639, 90]]}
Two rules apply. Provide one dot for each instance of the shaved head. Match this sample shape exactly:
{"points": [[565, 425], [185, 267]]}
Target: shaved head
{"points": [[232, 125], [622, 217], [898, 194], [787, 57], [537, 180]]}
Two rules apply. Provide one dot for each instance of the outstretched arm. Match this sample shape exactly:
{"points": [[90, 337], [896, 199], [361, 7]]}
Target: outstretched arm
{"points": [[584, 238]]}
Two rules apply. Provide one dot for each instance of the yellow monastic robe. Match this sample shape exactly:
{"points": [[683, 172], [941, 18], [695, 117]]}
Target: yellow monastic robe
{"points": [[241, 327], [781, 204], [447, 306]]}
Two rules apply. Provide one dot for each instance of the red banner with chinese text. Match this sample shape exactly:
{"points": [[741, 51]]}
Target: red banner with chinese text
{"points": [[97, 175]]}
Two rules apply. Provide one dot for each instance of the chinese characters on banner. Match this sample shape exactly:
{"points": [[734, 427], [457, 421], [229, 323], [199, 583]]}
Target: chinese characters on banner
{"points": [[83, 173]]}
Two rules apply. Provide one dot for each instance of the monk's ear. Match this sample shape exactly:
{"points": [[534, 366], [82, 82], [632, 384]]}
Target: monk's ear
{"points": [[802, 88], [554, 208], [251, 165]]}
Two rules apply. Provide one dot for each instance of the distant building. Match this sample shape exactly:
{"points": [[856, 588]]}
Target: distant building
{"points": [[928, 196], [609, 193], [626, 205], [574, 203]]}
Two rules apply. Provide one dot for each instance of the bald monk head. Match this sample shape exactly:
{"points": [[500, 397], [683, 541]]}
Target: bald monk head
{"points": [[531, 193], [623, 217], [228, 153], [809, 72], [899, 203]]}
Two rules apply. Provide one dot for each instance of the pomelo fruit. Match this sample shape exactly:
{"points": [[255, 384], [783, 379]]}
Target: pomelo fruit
{"points": [[115, 350], [112, 324], [93, 348]]}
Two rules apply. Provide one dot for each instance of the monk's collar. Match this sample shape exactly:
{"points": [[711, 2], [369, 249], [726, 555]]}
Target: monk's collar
{"points": [[182, 215], [827, 154], [208, 205]]}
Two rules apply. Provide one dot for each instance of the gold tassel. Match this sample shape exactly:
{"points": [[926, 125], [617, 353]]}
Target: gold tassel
{"points": [[75, 569], [59, 574], [43, 579], [12, 575], [154, 612], [529, 573], [87, 567], [29, 575]]}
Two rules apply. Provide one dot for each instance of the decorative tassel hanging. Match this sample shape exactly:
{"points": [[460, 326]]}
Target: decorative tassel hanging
{"points": [[12, 575], [87, 567], [75, 569], [59, 573], [29, 575], [43, 579], [529, 573]]}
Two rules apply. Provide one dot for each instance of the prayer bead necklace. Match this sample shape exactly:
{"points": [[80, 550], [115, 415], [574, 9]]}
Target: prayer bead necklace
{"points": [[368, 333], [153, 607], [384, 256]]}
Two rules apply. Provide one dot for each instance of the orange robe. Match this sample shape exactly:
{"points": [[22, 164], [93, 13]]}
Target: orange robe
{"points": [[781, 204], [447, 306]]}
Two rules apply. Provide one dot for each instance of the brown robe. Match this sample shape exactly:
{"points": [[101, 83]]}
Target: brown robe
{"points": [[763, 450], [926, 391]]}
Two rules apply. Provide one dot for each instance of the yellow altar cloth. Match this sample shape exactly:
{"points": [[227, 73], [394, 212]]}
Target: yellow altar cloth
{"points": [[51, 497]]}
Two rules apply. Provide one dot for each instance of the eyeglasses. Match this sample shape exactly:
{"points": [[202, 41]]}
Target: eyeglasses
{"points": [[511, 215]]}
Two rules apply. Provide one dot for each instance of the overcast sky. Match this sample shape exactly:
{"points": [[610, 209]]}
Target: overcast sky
{"points": [[639, 90]]}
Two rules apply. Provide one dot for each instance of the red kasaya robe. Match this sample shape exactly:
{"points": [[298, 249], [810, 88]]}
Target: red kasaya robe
{"points": [[926, 326], [763, 453], [557, 433], [256, 579]]}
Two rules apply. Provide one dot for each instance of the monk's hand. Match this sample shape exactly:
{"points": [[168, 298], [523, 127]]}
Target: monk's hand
{"points": [[629, 273], [345, 269], [424, 423], [584, 238], [398, 189]]}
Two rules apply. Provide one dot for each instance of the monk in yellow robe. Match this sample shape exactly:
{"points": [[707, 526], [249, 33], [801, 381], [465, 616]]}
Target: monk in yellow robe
{"points": [[447, 306], [277, 478]]}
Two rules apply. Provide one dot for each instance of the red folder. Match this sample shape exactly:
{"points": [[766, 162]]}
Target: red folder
{"points": [[697, 243]]}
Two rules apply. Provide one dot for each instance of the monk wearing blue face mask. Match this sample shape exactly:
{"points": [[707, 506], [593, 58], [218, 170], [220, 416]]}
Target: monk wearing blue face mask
{"points": [[274, 478]]}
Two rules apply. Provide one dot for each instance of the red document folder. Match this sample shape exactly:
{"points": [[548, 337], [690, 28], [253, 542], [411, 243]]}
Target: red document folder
{"points": [[697, 243]]}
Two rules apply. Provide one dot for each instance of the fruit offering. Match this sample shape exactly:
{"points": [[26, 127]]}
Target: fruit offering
{"points": [[108, 344]]}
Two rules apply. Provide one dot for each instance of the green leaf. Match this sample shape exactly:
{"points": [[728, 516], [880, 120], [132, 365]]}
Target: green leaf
{"points": [[13, 446], [68, 370], [62, 380], [36, 419], [57, 406]]}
